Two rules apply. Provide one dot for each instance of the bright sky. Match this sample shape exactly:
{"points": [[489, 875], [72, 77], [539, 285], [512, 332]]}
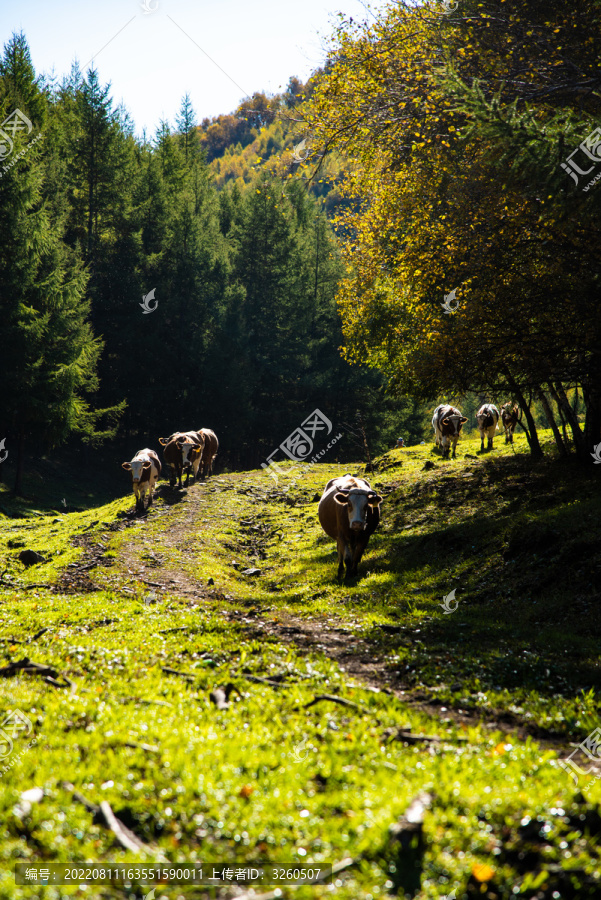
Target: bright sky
{"points": [[152, 58]]}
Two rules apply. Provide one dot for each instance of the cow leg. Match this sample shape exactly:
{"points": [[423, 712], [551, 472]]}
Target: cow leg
{"points": [[490, 447], [482, 443], [357, 554], [348, 559], [341, 549]]}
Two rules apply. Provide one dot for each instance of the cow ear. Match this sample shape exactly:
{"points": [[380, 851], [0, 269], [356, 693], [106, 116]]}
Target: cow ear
{"points": [[464, 418], [147, 464], [163, 442], [126, 466], [341, 498], [374, 499]]}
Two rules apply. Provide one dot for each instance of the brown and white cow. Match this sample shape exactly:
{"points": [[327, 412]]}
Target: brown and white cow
{"points": [[145, 468], [349, 512], [487, 418], [183, 450], [447, 422], [510, 416], [194, 454], [209, 453]]}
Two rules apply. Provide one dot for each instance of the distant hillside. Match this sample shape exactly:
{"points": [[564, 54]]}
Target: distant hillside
{"points": [[260, 136]]}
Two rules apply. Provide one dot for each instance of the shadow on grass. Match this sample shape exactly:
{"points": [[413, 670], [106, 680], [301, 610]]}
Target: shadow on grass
{"points": [[520, 543]]}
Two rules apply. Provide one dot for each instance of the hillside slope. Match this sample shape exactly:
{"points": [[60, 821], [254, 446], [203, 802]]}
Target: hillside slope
{"points": [[146, 615]]}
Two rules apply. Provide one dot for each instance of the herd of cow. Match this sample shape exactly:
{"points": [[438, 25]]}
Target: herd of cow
{"points": [[349, 508], [188, 451], [447, 422]]}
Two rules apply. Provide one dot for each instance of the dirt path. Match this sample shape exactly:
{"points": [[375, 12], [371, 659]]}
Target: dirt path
{"points": [[354, 655]]}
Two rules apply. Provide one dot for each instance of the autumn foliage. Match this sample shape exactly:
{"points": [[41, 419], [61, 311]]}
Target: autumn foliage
{"points": [[454, 128]]}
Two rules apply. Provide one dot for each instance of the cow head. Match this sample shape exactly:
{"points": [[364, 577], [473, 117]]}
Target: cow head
{"points": [[455, 420], [509, 412], [357, 503], [191, 451], [485, 417], [194, 453], [136, 467]]}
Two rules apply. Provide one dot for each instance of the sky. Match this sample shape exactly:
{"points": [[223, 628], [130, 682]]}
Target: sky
{"points": [[154, 51]]}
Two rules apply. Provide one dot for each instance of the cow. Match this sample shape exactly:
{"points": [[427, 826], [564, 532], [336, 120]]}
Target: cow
{"points": [[194, 454], [209, 453], [349, 512], [183, 450], [447, 422], [510, 416], [487, 418], [145, 469]]}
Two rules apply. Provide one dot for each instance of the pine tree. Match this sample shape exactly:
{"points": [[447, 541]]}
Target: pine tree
{"points": [[187, 127], [49, 355]]}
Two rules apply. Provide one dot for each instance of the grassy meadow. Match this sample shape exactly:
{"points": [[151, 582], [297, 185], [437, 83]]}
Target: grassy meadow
{"points": [[471, 700]]}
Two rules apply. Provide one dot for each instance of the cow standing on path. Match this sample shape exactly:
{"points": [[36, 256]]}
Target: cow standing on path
{"points": [[181, 452], [209, 453], [447, 422], [487, 418], [145, 468], [349, 512], [510, 416]]}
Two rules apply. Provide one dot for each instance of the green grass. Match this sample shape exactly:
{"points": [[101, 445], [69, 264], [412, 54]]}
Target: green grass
{"points": [[265, 780]]}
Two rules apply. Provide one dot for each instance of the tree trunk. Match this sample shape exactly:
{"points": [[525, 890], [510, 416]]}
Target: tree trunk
{"points": [[365, 444], [552, 423], [562, 400], [531, 433], [592, 423], [562, 419]]}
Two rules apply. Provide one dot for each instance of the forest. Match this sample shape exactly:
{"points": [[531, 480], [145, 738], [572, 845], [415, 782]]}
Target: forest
{"points": [[285, 284], [241, 329]]}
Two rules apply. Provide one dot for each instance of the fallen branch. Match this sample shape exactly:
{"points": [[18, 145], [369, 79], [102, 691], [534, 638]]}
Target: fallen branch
{"points": [[125, 837], [187, 675], [194, 628], [104, 815], [409, 738], [50, 675], [39, 634], [270, 681], [331, 698], [145, 702], [135, 745]]}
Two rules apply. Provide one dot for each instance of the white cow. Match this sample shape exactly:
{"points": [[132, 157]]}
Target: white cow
{"points": [[447, 422], [145, 468], [487, 418]]}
